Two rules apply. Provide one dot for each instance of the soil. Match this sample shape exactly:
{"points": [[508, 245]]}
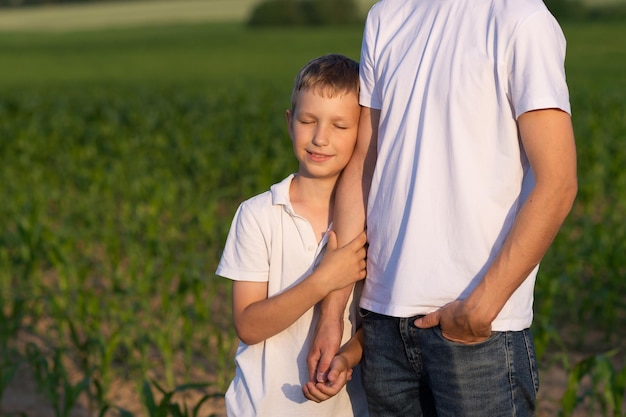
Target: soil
{"points": [[22, 398]]}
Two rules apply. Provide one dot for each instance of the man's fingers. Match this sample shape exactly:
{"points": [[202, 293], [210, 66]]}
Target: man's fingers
{"points": [[323, 366], [321, 376], [312, 361]]}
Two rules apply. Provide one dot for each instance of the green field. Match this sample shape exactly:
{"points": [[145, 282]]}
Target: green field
{"points": [[124, 153]]}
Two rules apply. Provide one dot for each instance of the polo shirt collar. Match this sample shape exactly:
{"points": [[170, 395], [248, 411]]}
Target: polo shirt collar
{"points": [[280, 193], [280, 196]]}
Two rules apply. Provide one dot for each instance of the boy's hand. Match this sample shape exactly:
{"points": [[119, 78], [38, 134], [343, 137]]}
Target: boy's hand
{"points": [[340, 373], [346, 265]]}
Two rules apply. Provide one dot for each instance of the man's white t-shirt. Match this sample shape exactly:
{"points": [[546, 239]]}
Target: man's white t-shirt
{"points": [[269, 242], [450, 78]]}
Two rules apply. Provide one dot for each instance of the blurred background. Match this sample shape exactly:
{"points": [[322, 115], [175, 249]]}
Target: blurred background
{"points": [[131, 130]]}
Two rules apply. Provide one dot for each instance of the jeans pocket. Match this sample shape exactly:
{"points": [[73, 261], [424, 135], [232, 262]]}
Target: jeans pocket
{"points": [[365, 313], [373, 316], [437, 330]]}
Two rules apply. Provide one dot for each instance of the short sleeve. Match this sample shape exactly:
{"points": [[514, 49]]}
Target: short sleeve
{"points": [[245, 256], [368, 91], [537, 65]]}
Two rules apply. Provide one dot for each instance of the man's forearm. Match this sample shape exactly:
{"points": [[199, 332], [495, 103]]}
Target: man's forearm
{"points": [[527, 243], [548, 140], [334, 304]]}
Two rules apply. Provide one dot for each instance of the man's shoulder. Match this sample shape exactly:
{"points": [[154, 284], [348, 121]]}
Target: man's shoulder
{"points": [[509, 10], [518, 9]]}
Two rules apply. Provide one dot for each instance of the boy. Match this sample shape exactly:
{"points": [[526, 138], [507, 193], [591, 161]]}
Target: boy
{"points": [[283, 258]]}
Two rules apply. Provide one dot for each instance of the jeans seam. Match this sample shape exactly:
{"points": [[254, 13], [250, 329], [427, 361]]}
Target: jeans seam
{"points": [[531, 360], [404, 334], [511, 369]]}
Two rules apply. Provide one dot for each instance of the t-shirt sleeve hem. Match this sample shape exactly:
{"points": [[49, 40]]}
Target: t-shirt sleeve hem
{"points": [[542, 104], [236, 275]]}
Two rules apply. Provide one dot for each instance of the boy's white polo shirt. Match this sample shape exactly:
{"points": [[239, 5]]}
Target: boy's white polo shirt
{"points": [[269, 242]]}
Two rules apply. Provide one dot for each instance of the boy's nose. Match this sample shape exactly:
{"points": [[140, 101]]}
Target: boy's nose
{"points": [[321, 137]]}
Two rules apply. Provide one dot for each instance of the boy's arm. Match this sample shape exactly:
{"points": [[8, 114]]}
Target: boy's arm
{"points": [[548, 140], [258, 317], [340, 370], [349, 220]]}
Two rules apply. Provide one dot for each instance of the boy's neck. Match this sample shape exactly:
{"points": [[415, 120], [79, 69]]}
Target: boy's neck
{"points": [[312, 198], [314, 191]]}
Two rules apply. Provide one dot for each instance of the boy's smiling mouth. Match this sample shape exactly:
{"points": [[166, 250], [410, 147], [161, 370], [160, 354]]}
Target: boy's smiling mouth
{"points": [[318, 157]]}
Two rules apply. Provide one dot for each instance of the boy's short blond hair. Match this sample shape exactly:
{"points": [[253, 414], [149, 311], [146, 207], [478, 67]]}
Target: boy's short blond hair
{"points": [[329, 75]]}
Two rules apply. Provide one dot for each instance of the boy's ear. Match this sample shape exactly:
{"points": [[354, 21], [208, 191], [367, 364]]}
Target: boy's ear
{"points": [[289, 118]]}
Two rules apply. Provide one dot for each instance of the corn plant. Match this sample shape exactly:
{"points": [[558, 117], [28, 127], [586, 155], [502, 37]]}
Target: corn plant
{"points": [[606, 388], [8, 366], [10, 321], [12, 312], [166, 406], [53, 380]]}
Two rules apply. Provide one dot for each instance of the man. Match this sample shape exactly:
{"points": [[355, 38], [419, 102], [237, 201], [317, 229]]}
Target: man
{"points": [[466, 165]]}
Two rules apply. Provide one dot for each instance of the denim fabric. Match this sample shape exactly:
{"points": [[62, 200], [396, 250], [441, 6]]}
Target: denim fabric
{"points": [[411, 372]]}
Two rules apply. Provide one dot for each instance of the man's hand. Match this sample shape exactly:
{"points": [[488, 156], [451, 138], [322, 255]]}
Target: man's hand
{"points": [[326, 343], [456, 323]]}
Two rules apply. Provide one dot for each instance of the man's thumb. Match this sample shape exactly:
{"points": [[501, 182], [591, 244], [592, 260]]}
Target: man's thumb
{"points": [[427, 321], [322, 370]]}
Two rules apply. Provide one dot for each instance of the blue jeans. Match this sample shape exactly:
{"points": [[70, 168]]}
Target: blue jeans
{"points": [[411, 372]]}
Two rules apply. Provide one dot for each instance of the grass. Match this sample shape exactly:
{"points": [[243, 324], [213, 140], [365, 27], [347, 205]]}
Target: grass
{"points": [[126, 151]]}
